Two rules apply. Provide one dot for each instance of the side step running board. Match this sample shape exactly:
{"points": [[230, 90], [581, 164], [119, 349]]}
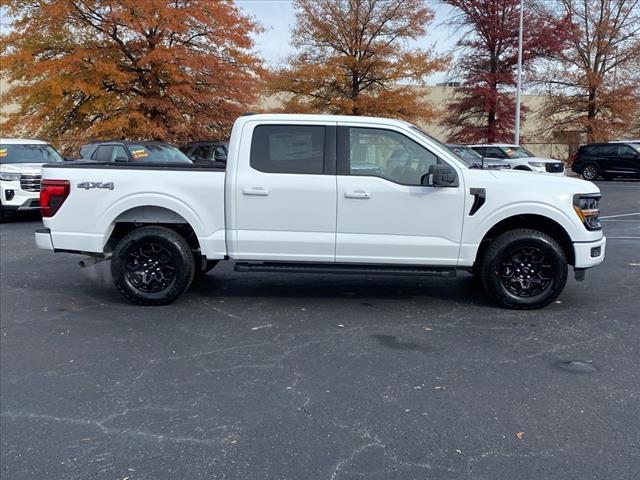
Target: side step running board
{"points": [[302, 267]]}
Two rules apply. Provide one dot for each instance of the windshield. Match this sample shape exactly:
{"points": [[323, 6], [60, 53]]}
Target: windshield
{"points": [[442, 145], [157, 153], [467, 153], [635, 146], [29, 154], [517, 152]]}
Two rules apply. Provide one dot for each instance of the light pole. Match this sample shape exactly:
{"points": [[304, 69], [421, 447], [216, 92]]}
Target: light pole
{"points": [[519, 86]]}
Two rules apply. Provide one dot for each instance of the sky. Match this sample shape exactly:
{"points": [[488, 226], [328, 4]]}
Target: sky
{"points": [[277, 17]]}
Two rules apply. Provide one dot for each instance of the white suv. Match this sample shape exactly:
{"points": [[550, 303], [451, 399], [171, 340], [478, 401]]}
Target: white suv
{"points": [[21, 163], [519, 158]]}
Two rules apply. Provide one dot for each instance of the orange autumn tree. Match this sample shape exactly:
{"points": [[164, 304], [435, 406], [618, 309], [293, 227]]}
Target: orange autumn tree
{"points": [[354, 57], [152, 69], [593, 85]]}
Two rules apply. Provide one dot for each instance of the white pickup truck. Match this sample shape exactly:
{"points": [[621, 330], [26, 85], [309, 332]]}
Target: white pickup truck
{"points": [[328, 194]]}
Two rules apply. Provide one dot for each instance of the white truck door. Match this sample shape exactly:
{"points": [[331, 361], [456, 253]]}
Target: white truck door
{"points": [[286, 193], [385, 215]]}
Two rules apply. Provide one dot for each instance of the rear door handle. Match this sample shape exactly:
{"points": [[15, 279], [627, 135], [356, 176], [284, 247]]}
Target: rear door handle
{"points": [[260, 191], [357, 194]]}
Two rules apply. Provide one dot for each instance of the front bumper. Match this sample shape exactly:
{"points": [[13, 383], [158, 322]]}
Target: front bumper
{"points": [[43, 239], [589, 254], [14, 199]]}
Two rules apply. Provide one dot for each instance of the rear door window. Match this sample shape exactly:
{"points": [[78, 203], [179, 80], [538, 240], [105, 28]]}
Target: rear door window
{"points": [[606, 150], [157, 153], [494, 152], [288, 149], [202, 152], [626, 151], [102, 153], [119, 154]]}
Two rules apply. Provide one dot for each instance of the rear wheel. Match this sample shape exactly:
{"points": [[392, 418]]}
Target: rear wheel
{"points": [[590, 172], [152, 266], [524, 269]]}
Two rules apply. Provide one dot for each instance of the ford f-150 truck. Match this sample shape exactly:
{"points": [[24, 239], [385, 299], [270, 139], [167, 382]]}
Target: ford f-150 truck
{"points": [[328, 194]]}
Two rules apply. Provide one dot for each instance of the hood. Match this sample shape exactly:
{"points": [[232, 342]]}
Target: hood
{"points": [[25, 168], [540, 159], [523, 180]]}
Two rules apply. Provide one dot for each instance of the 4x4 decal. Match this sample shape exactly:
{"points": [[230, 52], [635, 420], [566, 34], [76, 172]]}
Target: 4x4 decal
{"points": [[90, 185]]}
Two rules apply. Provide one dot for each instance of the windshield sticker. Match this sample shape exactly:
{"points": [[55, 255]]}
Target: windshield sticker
{"points": [[3, 152], [139, 153]]}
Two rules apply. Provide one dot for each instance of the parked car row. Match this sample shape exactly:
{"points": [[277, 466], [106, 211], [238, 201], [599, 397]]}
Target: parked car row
{"points": [[21, 161]]}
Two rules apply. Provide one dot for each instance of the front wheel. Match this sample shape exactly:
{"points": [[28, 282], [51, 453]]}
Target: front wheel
{"points": [[590, 172], [524, 269], [152, 266]]}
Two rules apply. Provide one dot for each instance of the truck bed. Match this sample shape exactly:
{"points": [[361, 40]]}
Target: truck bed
{"points": [[102, 194]]}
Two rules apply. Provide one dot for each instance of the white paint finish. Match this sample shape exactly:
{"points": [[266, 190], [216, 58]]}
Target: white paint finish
{"points": [[583, 253], [281, 216], [196, 196], [398, 223], [300, 217], [510, 193], [43, 241], [304, 246]]}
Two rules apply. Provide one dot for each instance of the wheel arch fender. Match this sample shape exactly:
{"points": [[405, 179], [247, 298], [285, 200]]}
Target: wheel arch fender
{"points": [[544, 218], [149, 209]]}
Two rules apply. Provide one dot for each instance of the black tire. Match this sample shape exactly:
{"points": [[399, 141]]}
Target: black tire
{"points": [[524, 269], [152, 266], [590, 172]]}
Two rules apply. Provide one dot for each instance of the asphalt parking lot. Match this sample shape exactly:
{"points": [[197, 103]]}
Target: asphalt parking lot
{"points": [[275, 376]]}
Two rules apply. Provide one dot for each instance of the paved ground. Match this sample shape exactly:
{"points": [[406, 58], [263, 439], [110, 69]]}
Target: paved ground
{"points": [[309, 377]]}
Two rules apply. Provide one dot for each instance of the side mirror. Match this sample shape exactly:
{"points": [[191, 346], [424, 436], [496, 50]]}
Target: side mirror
{"points": [[218, 157], [121, 160], [441, 176]]}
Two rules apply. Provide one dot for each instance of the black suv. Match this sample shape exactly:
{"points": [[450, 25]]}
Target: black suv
{"points": [[207, 151], [607, 160], [131, 151]]}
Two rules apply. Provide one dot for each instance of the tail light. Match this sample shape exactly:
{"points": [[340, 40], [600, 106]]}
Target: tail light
{"points": [[53, 193], [573, 158]]}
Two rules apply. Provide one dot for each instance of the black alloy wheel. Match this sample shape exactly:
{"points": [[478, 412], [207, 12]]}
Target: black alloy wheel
{"points": [[150, 268], [152, 265], [526, 272], [524, 269]]}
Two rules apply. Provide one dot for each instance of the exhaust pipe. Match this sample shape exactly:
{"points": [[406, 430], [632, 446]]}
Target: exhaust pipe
{"points": [[93, 259]]}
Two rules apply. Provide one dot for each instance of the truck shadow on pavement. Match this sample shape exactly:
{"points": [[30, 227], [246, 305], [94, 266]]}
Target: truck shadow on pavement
{"points": [[464, 289]]}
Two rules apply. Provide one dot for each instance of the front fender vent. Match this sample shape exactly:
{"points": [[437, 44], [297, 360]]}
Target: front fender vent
{"points": [[480, 196]]}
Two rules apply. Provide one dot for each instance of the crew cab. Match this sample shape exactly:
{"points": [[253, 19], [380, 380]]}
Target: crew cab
{"points": [[519, 158], [21, 163], [296, 198]]}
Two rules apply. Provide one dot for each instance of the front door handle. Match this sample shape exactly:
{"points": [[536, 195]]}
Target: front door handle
{"points": [[357, 194], [260, 191]]}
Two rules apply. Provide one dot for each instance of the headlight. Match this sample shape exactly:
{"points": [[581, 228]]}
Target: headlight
{"points": [[536, 164], [588, 209], [9, 177]]}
